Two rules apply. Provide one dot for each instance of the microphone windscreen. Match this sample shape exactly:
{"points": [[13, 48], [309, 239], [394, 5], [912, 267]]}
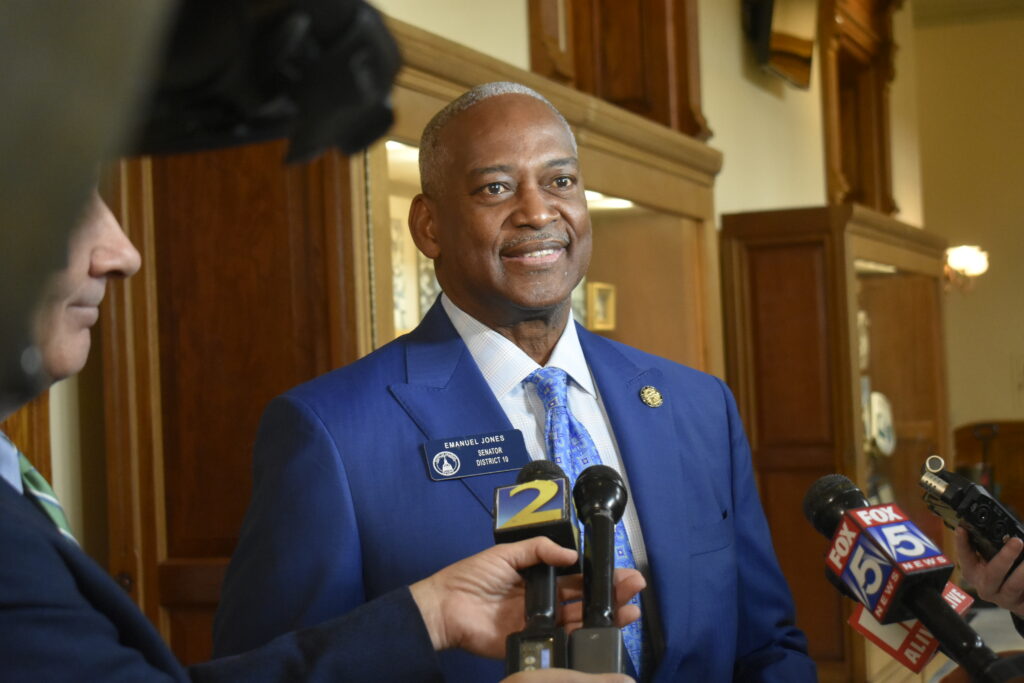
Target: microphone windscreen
{"points": [[827, 500], [540, 469], [599, 488]]}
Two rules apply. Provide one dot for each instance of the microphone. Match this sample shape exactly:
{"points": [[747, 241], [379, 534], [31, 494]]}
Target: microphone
{"points": [[893, 569], [600, 497], [542, 644]]}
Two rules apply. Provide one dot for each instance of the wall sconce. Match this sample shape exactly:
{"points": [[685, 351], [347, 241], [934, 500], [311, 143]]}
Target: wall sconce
{"points": [[963, 264]]}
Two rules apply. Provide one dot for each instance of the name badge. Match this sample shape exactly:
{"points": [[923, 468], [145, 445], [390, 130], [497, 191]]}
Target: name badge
{"points": [[469, 456]]}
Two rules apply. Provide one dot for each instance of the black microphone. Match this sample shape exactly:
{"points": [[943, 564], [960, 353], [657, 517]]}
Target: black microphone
{"points": [[600, 497], [893, 569], [517, 515]]}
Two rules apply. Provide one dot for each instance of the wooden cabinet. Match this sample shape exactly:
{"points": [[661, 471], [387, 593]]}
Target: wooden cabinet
{"points": [[642, 56], [823, 307]]}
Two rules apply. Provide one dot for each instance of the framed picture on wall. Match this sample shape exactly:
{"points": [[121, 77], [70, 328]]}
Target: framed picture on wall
{"points": [[600, 306]]}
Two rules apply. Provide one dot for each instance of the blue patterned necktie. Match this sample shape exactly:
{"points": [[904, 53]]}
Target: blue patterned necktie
{"points": [[570, 446]]}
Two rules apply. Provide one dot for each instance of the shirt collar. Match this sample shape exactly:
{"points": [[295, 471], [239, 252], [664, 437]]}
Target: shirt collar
{"points": [[504, 365], [10, 468]]}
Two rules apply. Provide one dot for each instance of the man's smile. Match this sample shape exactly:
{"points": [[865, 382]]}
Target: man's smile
{"points": [[542, 251]]}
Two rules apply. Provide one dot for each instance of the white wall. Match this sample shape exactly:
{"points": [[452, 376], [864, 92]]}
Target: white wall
{"points": [[770, 133], [972, 149], [78, 452], [904, 124], [498, 29], [65, 447]]}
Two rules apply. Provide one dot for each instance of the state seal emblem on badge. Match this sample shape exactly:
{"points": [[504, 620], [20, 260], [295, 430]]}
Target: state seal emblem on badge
{"points": [[446, 463], [651, 396]]}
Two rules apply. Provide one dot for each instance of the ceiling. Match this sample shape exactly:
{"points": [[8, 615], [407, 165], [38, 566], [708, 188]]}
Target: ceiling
{"points": [[956, 11]]}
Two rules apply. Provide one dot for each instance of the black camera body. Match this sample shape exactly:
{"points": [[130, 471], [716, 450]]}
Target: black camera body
{"points": [[961, 502]]}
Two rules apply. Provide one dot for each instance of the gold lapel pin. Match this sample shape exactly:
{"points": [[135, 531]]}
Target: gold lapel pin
{"points": [[651, 396]]}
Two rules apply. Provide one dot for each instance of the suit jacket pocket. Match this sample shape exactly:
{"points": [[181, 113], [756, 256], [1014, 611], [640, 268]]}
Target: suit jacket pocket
{"points": [[715, 534]]}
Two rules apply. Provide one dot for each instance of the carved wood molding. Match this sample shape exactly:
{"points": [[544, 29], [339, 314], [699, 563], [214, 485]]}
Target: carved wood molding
{"points": [[442, 70], [133, 412], [857, 70]]}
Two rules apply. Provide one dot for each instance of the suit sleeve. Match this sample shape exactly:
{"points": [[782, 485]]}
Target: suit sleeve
{"points": [[298, 560], [770, 648], [382, 641], [50, 627]]}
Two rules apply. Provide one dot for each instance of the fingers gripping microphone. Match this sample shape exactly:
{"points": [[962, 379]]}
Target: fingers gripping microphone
{"points": [[600, 497], [892, 568], [517, 515]]}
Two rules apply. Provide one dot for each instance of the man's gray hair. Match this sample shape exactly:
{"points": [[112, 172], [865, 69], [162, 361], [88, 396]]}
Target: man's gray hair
{"points": [[433, 156]]}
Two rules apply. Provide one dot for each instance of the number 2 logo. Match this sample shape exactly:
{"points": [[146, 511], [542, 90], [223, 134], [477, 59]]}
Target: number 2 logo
{"points": [[530, 514]]}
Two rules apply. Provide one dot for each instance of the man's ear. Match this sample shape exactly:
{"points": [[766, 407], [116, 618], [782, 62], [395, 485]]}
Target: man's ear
{"points": [[423, 226]]}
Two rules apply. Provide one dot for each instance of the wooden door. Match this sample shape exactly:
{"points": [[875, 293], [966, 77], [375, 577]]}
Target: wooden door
{"points": [[241, 296], [29, 429]]}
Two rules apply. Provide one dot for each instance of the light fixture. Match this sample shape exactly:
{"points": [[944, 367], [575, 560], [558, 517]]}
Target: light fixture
{"points": [[399, 152], [597, 201], [963, 264]]}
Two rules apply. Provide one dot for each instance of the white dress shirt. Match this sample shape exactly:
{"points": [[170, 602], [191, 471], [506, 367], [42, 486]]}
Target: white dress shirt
{"points": [[10, 468], [505, 367]]}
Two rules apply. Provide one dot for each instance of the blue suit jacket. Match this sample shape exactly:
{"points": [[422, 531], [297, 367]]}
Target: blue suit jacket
{"points": [[343, 509], [63, 619]]}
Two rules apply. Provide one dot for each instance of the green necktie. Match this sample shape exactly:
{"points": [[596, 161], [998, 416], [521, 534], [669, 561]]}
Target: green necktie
{"points": [[36, 484]]}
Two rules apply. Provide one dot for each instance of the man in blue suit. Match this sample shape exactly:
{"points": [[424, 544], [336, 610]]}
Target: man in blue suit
{"points": [[383, 471], [63, 619]]}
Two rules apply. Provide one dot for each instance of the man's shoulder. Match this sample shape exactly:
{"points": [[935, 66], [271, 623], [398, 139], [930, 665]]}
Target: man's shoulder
{"points": [[670, 369], [368, 375]]}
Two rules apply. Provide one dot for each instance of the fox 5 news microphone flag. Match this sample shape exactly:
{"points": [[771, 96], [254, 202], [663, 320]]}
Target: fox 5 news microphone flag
{"points": [[877, 553]]}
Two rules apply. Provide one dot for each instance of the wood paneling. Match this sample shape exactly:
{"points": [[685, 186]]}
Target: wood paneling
{"points": [[642, 56], [189, 628], [237, 303], [659, 302], [817, 602], [242, 317], [29, 429], [791, 296], [788, 295]]}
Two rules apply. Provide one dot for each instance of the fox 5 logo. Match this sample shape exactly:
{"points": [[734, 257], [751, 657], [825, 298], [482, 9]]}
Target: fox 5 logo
{"points": [[904, 542], [867, 572]]}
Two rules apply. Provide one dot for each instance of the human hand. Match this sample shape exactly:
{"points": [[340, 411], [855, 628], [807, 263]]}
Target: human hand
{"points": [[564, 676], [476, 603], [989, 577]]}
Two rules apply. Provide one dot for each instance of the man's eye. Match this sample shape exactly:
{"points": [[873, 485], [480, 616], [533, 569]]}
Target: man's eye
{"points": [[564, 182], [494, 188]]}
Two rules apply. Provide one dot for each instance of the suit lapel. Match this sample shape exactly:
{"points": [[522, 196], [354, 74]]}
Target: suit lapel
{"points": [[447, 396], [653, 456]]}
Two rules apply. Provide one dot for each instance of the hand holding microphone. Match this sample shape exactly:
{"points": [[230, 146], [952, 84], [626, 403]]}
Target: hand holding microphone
{"points": [[537, 506]]}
